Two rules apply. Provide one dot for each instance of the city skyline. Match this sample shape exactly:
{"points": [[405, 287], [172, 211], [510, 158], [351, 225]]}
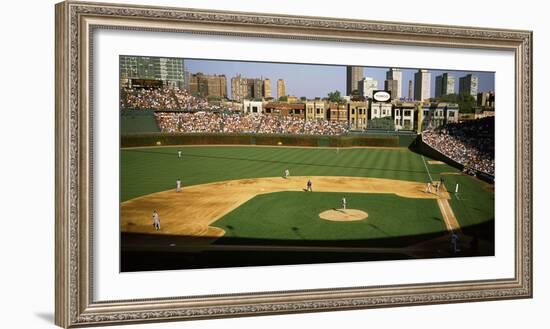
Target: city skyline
{"points": [[314, 80]]}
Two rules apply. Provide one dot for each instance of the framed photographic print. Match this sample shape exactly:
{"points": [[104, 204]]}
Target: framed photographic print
{"points": [[214, 164]]}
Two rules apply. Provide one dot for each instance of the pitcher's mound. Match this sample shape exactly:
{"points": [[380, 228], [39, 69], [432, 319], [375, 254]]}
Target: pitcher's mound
{"points": [[341, 215]]}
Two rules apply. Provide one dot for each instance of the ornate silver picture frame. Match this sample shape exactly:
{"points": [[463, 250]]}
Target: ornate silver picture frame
{"points": [[76, 23]]}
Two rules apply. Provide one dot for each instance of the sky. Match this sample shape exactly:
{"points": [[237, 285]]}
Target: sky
{"points": [[318, 80]]}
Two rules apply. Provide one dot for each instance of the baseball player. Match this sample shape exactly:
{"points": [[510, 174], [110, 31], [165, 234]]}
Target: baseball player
{"points": [[156, 220], [309, 184], [287, 173], [178, 185], [454, 242], [344, 203], [179, 154], [437, 185], [428, 185]]}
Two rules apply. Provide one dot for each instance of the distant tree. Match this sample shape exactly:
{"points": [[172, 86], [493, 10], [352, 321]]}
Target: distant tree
{"points": [[303, 98], [269, 98], [355, 92], [283, 98], [214, 98], [334, 96], [465, 101]]}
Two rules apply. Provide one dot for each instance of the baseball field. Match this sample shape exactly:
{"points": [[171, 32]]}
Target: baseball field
{"points": [[236, 208]]}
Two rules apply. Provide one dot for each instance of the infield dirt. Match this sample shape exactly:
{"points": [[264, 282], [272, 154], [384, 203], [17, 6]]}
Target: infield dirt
{"points": [[191, 211], [343, 215]]}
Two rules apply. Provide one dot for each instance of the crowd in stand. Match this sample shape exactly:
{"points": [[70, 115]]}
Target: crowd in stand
{"points": [[199, 122], [274, 124], [215, 122], [163, 99], [470, 143], [234, 123]]}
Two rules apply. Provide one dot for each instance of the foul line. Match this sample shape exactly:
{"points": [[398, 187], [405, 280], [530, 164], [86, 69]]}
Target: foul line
{"points": [[426, 166]]}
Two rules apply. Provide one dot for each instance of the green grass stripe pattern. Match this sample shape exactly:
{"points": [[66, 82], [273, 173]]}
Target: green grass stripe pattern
{"points": [[294, 216]]}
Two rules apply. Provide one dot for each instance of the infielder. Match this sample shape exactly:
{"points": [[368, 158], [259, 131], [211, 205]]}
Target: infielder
{"points": [[287, 173], [178, 185], [156, 220], [428, 187], [344, 203], [308, 186]]}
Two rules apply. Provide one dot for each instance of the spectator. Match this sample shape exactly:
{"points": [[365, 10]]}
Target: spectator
{"points": [[215, 122], [471, 144]]}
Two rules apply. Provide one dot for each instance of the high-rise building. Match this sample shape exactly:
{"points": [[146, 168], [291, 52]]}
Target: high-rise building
{"points": [[397, 75], [422, 84], [468, 84], [281, 88], [393, 87], [208, 85], [255, 88], [486, 99], [353, 75], [367, 86], [444, 85], [239, 88], [410, 89], [168, 71], [267, 88], [438, 85], [248, 88], [186, 79]]}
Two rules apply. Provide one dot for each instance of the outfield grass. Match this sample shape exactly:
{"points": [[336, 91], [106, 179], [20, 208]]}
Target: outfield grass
{"points": [[473, 204], [294, 216], [148, 170]]}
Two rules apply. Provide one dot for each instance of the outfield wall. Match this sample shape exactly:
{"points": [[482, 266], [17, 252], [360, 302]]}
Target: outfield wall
{"points": [[156, 139], [138, 122]]}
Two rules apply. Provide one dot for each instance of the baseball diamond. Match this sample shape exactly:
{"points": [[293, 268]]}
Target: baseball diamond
{"points": [[238, 202]]}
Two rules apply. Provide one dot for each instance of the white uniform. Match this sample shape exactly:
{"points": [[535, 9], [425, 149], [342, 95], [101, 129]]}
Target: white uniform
{"points": [[178, 185], [287, 173], [156, 221], [179, 154], [344, 203]]}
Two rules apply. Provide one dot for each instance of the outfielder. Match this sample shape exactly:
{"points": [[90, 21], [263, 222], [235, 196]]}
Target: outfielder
{"points": [[156, 220], [178, 185], [179, 154]]}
